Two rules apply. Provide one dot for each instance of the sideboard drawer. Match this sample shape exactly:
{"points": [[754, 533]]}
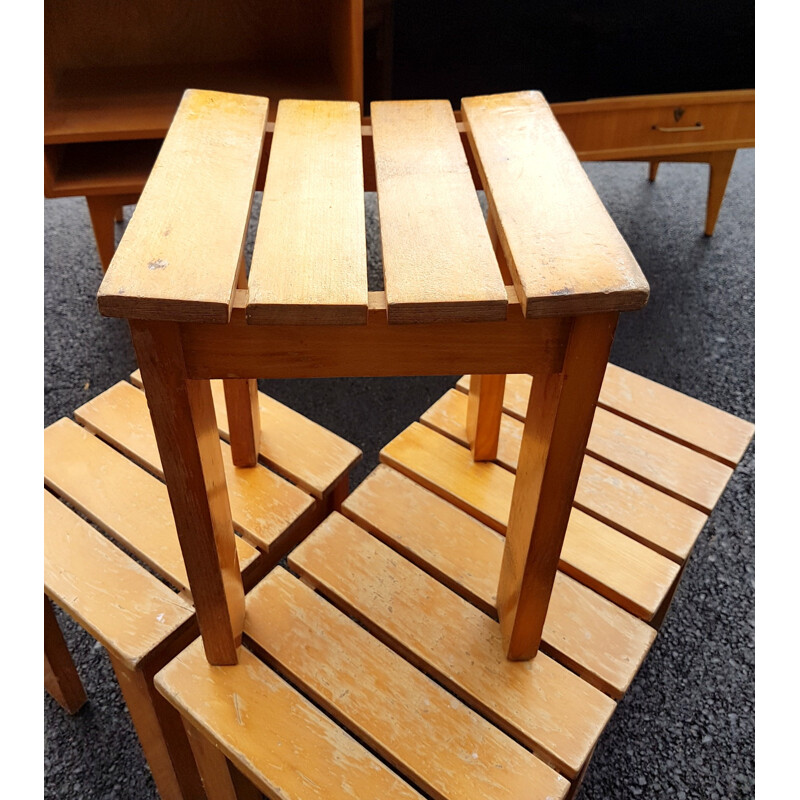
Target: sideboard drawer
{"points": [[628, 127]]}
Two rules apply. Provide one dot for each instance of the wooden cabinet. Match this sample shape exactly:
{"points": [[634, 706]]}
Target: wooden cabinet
{"points": [[115, 72]]}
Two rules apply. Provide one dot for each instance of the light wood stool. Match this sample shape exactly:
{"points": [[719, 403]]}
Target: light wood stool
{"points": [[285, 685], [108, 468]]}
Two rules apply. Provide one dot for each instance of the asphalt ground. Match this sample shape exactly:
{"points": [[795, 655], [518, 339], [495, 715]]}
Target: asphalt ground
{"points": [[685, 729]]}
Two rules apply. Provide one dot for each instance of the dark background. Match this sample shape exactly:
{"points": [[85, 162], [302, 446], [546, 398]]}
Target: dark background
{"points": [[571, 49]]}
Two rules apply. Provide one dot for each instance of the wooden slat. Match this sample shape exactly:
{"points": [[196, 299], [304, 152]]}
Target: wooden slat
{"points": [[584, 631], [429, 736], [652, 405], [658, 520], [310, 258], [661, 462], [292, 445], [121, 604], [611, 563], [543, 705], [180, 254], [265, 508], [438, 261], [129, 504], [564, 251], [271, 732], [686, 420]]}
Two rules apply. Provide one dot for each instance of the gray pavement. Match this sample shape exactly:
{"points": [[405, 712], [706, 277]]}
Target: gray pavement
{"points": [[686, 727]]}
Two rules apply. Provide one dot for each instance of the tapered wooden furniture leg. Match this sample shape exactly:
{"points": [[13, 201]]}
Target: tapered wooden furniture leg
{"points": [[153, 717], [484, 412], [118, 214], [241, 401], [560, 413], [653, 171], [101, 212], [720, 165], [61, 679], [221, 780], [185, 425]]}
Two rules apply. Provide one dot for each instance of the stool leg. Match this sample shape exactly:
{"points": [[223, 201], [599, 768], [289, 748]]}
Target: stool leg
{"points": [[559, 418], [484, 414], [61, 679], [161, 734], [720, 165], [185, 426], [244, 420], [221, 780], [241, 401]]}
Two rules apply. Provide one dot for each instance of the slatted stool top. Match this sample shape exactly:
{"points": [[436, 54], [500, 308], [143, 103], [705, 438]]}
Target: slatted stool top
{"points": [[181, 254]]}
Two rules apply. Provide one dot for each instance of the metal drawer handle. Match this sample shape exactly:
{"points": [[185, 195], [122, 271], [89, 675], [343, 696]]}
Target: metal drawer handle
{"points": [[698, 126]]}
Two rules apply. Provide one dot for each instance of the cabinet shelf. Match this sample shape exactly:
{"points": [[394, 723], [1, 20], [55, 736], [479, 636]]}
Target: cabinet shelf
{"points": [[111, 104]]}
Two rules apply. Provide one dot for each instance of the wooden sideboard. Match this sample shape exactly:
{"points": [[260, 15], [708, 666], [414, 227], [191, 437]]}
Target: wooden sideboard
{"points": [[705, 127]]}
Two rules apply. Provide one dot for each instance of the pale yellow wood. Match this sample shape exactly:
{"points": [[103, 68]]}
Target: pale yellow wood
{"points": [[428, 735], [659, 461], [563, 250], [689, 421], [543, 705], [606, 560], [179, 257], [672, 467], [265, 508], [650, 516], [129, 504], [271, 733], [310, 257], [121, 604], [438, 261], [292, 445], [677, 416], [584, 631]]}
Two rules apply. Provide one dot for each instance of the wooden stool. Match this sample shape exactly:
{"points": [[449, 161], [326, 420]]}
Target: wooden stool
{"points": [[314, 704], [108, 468]]}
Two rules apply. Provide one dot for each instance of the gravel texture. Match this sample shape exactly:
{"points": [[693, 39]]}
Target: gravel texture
{"points": [[686, 727]]}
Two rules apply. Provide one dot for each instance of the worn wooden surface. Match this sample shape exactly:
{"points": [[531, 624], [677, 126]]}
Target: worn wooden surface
{"points": [[591, 635], [130, 505], [438, 261], [610, 562], [179, 257], [677, 416], [310, 256], [121, 604], [563, 249], [294, 446], [279, 739], [382, 698], [546, 707], [265, 508], [645, 513]]}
